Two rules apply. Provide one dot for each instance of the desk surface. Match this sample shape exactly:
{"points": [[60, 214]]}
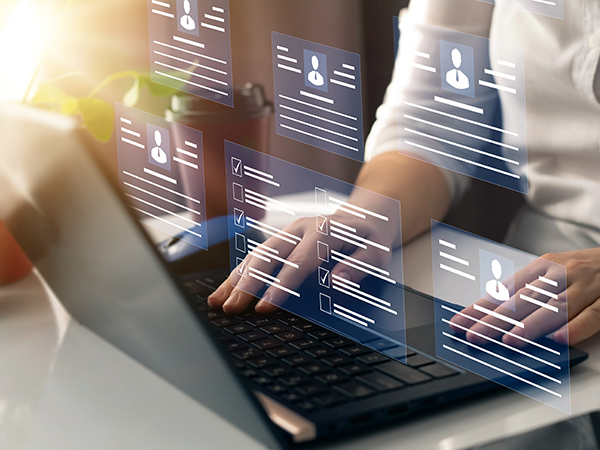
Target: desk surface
{"points": [[63, 387]]}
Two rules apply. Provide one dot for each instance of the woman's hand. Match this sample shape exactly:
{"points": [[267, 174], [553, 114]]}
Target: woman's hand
{"points": [[238, 291], [581, 299]]}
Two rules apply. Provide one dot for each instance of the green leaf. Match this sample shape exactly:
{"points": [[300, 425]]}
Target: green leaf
{"points": [[54, 98], [158, 90], [98, 117], [132, 96]]}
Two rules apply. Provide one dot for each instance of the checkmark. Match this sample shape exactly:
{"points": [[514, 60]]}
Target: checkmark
{"points": [[239, 218], [322, 225], [241, 267], [236, 167], [324, 277]]}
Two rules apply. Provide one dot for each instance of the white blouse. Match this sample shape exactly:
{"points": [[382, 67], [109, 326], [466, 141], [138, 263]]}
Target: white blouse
{"points": [[562, 85]]}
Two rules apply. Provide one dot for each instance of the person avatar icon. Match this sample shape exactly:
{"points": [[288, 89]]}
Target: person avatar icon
{"points": [[314, 77], [495, 287], [456, 77], [187, 21], [157, 153]]}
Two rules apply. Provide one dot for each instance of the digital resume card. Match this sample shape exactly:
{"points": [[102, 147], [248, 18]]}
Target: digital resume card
{"points": [[161, 173], [552, 8], [318, 253], [318, 95], [190, 47], [496, 309], [463, 106]]}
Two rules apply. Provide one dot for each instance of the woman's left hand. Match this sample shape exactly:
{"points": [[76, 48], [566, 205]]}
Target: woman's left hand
{"points": [[581, 299]]}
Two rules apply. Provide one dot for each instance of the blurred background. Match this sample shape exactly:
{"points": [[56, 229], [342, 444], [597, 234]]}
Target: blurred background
{"points": [[96, 39]]}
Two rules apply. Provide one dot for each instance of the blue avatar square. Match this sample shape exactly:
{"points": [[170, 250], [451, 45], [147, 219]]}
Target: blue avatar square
{"points": [[315, 70], [187, 16], [496, 279], [159, 146], [457, 67]]}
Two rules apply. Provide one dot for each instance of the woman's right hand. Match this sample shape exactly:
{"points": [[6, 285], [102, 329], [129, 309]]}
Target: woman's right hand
{"points": [[238, 291]]}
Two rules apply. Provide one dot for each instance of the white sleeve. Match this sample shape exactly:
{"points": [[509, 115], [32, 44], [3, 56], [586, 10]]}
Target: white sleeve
{"points": [[387, 133]]}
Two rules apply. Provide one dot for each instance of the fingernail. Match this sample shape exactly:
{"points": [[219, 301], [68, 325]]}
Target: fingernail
{"points": [[232, 300], [217, 294], [345, 275], [264, 304], [561, 336]]}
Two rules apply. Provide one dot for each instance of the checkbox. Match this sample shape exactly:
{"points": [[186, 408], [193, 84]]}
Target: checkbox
{"points": [[322, 251], [322, 225], [324, 277], [238, 192], [325, 303], [241, 267], [239, 218], [240, 242], [236, 167], [321, 197]]}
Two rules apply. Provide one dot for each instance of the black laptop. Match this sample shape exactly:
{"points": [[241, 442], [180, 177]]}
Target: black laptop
{"points": [[67, 211]]}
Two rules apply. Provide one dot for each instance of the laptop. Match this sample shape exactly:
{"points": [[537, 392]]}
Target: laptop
{"points": [[283, 380]]}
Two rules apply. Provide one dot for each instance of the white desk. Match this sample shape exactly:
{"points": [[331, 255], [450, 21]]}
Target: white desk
{"points": [[62, 387]]}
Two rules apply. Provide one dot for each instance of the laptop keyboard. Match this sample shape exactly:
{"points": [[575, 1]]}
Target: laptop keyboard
{"points": [[305, 366]]}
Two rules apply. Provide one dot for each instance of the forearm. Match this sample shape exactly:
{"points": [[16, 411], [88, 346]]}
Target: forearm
{"points": [[420, 187]]}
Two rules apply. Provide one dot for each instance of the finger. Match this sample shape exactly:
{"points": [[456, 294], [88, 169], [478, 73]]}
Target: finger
{"points": [[301, 262], [583, 326], [362, 263], [217, 298], [510, 314]]}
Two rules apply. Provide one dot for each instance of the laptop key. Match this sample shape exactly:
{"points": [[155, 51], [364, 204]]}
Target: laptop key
{"points": [[355, 350], [225, 321], [260, 321], [323, 334], [373, 358], [292, 397], [249, 373], [281, 352], [406, 374], [278, 371], [330, 399], [314, 368], [291, 320], [267, 344], [225, 338], [310, 390], [276, 389], [297, 360], [337, 360], [355, 369], [381, 382], [263, 381], [332, 378], [263, 362], [354, 390], [438, 370], [246, 354], [304, 344], [339, 342], [306, 327], [275, 328], [306, 406], [235, 346], [418, 360], [290, 336], [253, 336], [238, 329], [320, 352], [295, 379]]}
